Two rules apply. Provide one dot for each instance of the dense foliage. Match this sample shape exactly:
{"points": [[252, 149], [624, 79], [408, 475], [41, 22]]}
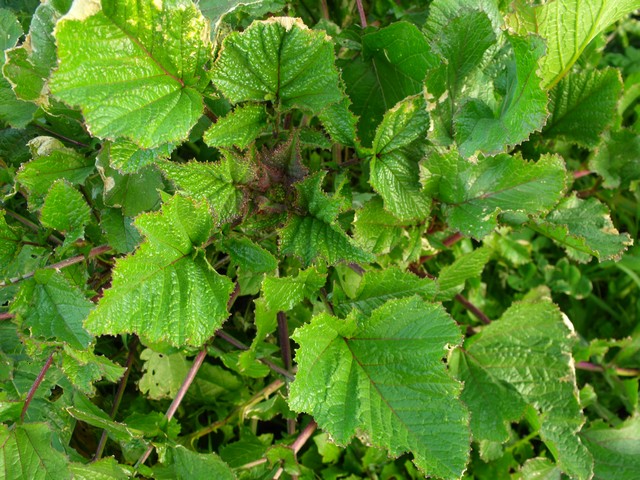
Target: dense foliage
{"points": [[263, 239]]}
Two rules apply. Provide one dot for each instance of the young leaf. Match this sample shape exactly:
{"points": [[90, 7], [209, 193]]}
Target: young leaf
{"points": [[51, 161], [616, 159], [375, 229], [166, 291], [340, 123], [380, 286], [65, 210], [83, 368], [219, 183], [616, 450], [452, 278], [51, 307], [239, 128], [284, 293], [475, 193], [583, 227], [249, 256], [278, 60], [128, 157], [317, 234], [354, 379], [392, 66], [26, 451], [135, 67], [567, 27], [582, 105], [9, 243], [526, 356], [523, 109]]}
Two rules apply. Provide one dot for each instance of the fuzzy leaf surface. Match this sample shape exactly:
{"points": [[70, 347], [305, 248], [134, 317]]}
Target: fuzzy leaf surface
{"points": [[278, 60], [582, 105], [375, 229], [353, 377], [583, 227], [66, 210], [617, 159], [9, 243], [475, 193], [239, 128], [166, 291], [135, 67], [567, 26], [526, 355]]}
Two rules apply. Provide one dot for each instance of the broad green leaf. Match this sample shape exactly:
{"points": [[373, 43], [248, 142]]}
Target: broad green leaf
{"points": [[617, 159], [354, 379], [380, 286], [461, 42], [121, 234], [65, 210], [135, 67], [26, 451], [523, 109], [217, 10], [391, 66], [375, 229], [178, 463], [583, 227], [133, 193], [162, 374], [51, 161], [540, 469], [83, 368], [317, 233], [442, 12], [219, 183], [128, 157], [340, 123], [50, 307], [583, 105], [13, 111], [452, 278], [526, 357], [239, 128], [567, 27], [9, 243], [476, 192], [103, 469], [393, 174], [166, 291], [278, 60], [616, 451], [284, 293], [29, 65], [249, 255]]}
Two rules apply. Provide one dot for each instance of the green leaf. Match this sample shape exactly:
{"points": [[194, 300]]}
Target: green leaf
{"points": [[249, 256], [567, 26], [29, 65], [135, 67], [9, 243], [616, 450], [617, 159], [219, 183], [163, 374], [340, 123], [10, 30], [523, 109], [51, 161], [278, 60], [284, 293], [452, 278], [182, 464], [380, 286], [50, 307], [26, 451], [128, 157], [84, 410], [476, 192], [166, 291], [353, 379], [583, 105], [217, 10], [317, 234], [526, 357], [121, 234], [103, 469], [239, 128], [540, 469], [392, 65], [65, 210], [583, 227], [133, 193], [83, 369], [404, 123], [375, 229]]}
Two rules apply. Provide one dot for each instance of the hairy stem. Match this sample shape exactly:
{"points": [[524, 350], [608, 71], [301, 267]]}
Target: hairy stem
{"points": [[6, 316], [622, 372], [118, 397], [363, 16], [36, 384]]}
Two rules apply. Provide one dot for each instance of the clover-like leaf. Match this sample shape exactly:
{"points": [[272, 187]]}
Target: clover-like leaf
{"points": [[166, 291], [135, 67], [382, 377]]}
